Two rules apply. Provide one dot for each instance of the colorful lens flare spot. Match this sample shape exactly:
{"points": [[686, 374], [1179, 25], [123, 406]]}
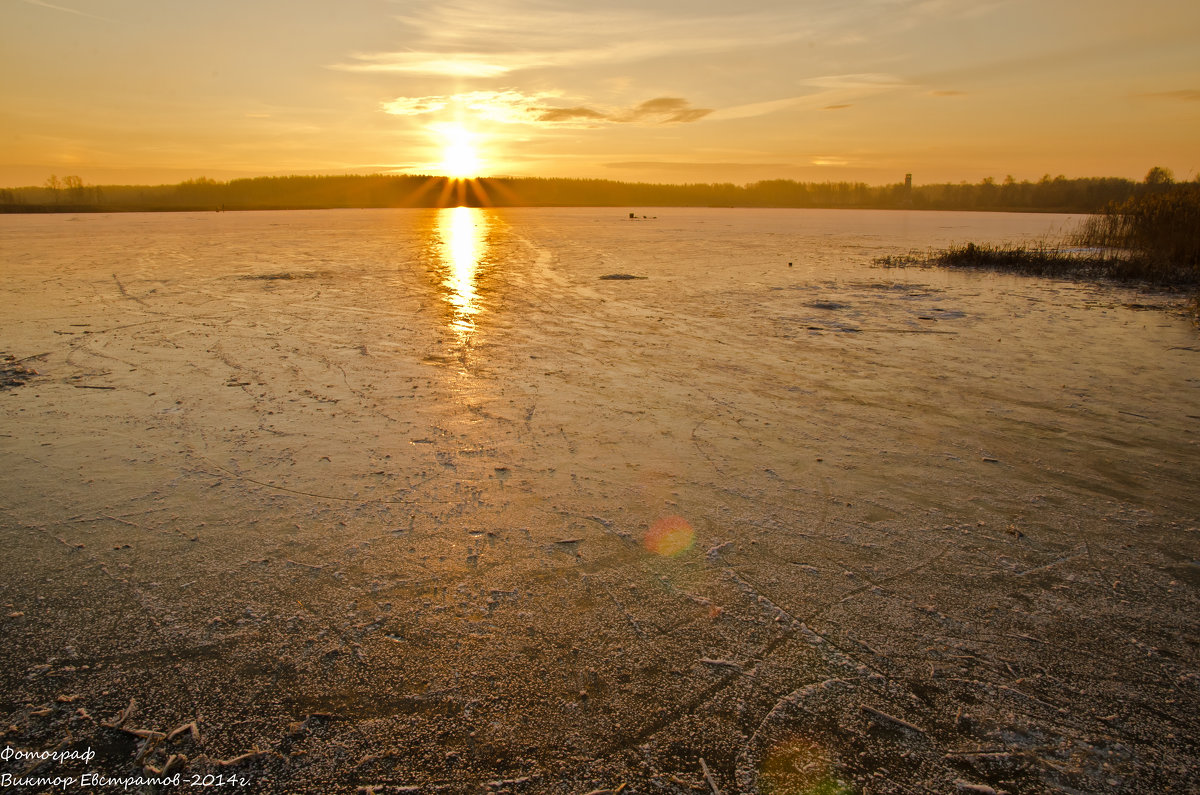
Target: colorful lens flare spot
{"points": [[799, 766], [669, 536]]}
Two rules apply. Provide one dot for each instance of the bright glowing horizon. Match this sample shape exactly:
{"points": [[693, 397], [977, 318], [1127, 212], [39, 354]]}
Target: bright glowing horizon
{"points": [[133, 91]]}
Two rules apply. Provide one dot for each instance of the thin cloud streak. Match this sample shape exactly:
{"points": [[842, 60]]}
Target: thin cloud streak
{"points": [[470, 38], [837, 89], [440, 64], [460, 40], [471, 64], [1183, 95], [675, 165], [858, 81], [753, 109], [513, 107], [43, 4], [477, 26]]}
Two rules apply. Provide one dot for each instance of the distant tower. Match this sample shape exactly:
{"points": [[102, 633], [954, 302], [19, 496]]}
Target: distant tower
{"points": [[907, 198]]}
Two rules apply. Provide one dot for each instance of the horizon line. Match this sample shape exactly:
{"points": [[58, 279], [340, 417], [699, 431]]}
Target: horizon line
{"points": [[905, 181]]}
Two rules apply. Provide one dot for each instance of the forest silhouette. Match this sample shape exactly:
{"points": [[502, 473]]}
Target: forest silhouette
{"points": [[1049, 194]]}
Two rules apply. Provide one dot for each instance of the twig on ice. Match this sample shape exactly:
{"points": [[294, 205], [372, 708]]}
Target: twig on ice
{"points": [[708, 777], [116, 722], [187, 727], [898, 721]]}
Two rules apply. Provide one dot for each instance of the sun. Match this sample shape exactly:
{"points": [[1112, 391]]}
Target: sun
{"points": [[460, 154]]}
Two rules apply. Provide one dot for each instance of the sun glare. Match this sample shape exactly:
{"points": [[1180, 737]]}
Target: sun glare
{"points": [[460, 154]]}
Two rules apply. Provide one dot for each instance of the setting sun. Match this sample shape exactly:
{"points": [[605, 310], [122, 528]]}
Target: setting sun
{"points": [[460, 155]]}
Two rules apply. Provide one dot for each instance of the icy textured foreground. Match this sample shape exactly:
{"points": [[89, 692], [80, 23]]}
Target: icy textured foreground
{"points": [[409, 501]]}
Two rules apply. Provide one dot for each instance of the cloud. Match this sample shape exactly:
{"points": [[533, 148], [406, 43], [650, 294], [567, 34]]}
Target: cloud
{"points": [[832, 93], [571, 114], [506, 107], [663, 110], [948, 93], [1182, 94], [415, 106], [513, 107], [473, 39], [441, 64], [753, 109], [54, 7], [673, 165], [871, 81]]}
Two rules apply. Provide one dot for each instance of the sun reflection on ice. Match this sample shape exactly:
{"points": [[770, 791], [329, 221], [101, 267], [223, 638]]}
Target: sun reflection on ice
{"points": [[463, 235]]}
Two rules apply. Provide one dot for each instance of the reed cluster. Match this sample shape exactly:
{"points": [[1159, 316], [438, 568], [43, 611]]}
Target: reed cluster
{"points": [[1153, 237], [1157, 234]]}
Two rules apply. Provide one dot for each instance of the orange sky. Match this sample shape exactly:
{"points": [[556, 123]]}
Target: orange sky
{"points": [[120, 91]]}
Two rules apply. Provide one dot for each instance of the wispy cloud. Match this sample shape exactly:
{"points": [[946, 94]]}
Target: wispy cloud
{"points": [[1182, 94], [472, 39], [416, 106], [692, 166], [77, 12], [663, 110], [496, 64], [443, 64], [833, 92], [506, 107], [577, 113], [855, 82], [513, 107], [753, 109]]}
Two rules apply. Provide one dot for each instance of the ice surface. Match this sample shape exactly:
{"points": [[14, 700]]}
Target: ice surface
{"points": [[412, 498]]}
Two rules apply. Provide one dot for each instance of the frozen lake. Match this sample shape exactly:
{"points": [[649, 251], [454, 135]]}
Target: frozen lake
{"points": [[415, 498]]}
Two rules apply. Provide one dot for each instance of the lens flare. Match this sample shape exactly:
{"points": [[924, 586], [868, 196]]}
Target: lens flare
{"points": [[669, 536], [798, 766]]}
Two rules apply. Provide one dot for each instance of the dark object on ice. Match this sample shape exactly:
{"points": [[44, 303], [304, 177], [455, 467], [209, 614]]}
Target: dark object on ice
{"points": [[13, 373], [621, 276], [284, 276]]}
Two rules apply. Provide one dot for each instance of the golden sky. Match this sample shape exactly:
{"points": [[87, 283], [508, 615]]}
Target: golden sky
{"points": [[120, 91]]}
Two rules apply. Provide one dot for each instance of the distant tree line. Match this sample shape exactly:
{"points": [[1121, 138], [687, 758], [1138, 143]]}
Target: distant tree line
{"points": [[55, 193], [1057, 194]]}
